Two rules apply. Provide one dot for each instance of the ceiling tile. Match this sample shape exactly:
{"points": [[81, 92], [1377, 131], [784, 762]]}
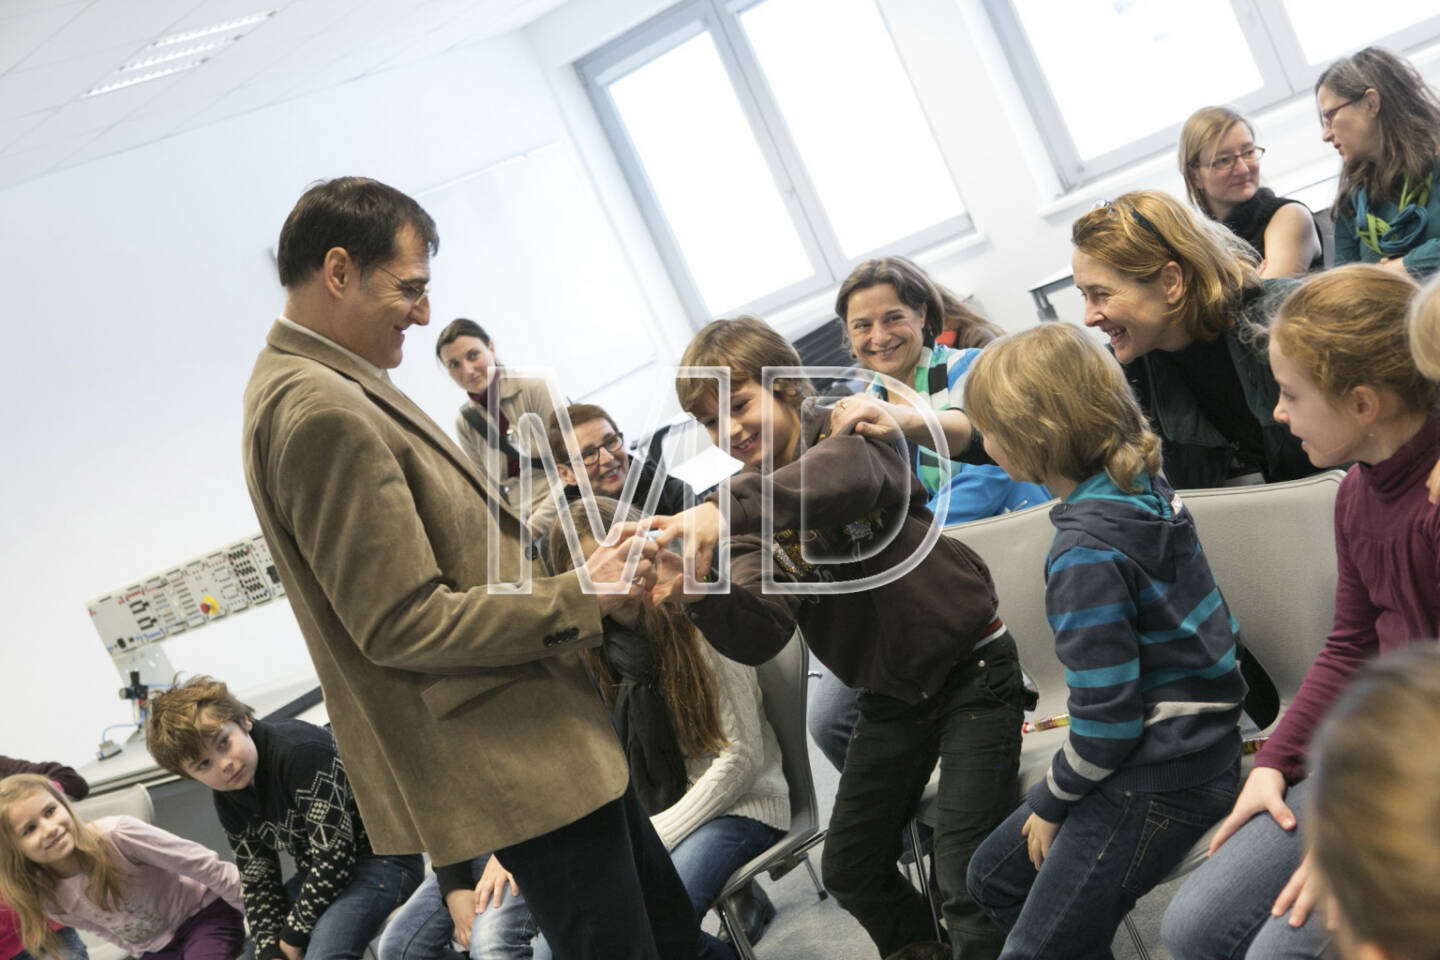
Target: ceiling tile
{"points": [[94, 114], [106, 24], [20, 35], [25, 91], [16, 127], [14, 8], [125, 135], [28, 164]]}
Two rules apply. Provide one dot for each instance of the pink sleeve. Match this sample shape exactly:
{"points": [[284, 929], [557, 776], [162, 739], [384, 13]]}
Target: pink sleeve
{"points": [[161, 848]]}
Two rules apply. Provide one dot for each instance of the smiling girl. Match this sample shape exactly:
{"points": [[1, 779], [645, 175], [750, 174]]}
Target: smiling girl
{"points": [[149, 892], [1350, 391], [1181, 301], [1220, 162]]}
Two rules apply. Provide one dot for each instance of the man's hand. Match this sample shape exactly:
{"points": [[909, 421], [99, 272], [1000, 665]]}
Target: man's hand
{"points": [[461, 904], [606, 565], [1264, 792], [870, 416], [291, 952], [490, 889], [701, 528], [1300, 894], [1039, 834]]}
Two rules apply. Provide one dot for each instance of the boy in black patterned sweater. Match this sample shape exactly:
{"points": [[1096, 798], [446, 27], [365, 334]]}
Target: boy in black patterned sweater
{"points": [[280, 786]]}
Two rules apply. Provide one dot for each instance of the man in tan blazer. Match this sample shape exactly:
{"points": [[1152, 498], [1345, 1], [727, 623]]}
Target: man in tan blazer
{"points": [[464, 716]]}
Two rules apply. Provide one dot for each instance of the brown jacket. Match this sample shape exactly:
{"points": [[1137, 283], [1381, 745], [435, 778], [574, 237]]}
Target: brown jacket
{"points": [[465, 719], [517, 396], [900, 639]]}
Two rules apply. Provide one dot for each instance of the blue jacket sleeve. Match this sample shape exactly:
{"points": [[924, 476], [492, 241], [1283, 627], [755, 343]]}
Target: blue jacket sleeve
{"points": [[1092, 610]]}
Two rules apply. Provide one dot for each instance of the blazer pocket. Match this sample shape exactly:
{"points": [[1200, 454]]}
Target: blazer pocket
{"points": [[448, 694]]}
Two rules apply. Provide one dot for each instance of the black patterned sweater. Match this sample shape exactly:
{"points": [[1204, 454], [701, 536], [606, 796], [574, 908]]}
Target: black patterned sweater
{"points": [[299, 802]]}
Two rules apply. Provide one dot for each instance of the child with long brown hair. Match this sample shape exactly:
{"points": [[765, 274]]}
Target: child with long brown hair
{"points": [[702, 755], [1152, 756], [1350, 391], [153, 894]]}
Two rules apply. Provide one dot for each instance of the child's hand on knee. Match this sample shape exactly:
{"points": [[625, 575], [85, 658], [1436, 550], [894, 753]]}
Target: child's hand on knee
{"points": [[490, 889], [1264, 792], [1039, 834], [461, 904], [1300, 894]]}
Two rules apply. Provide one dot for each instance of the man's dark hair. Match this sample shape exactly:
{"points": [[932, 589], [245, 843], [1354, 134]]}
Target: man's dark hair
{"points": [[356, 213]]}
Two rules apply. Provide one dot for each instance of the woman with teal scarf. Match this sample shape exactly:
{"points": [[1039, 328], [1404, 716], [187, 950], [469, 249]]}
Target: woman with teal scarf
{"points": [[1384, 121]]}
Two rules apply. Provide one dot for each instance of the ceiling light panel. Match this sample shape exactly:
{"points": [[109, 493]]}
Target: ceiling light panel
{"points": [[177, 52]]}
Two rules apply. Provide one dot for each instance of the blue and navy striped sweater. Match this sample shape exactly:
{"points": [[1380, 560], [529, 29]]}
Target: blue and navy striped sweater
{"points": [[1148, 644]]}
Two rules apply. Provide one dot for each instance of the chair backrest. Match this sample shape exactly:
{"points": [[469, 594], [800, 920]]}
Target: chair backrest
{"points": [[1272, 550], [784, 681], [1014, 546], [1270, 547], [1325, 223], [133, 800]]}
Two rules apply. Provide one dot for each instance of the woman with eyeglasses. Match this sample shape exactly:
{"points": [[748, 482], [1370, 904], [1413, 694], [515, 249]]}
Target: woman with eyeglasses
{"points": [[487, 425], [1221, 166], [1183, 304], [1384, 121]]}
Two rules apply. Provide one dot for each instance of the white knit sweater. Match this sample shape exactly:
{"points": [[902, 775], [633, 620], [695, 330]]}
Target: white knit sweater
{"points": [[744, 779]]}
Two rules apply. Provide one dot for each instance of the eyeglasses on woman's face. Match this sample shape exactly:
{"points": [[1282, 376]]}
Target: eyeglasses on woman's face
{"points": [[1226, 162]]}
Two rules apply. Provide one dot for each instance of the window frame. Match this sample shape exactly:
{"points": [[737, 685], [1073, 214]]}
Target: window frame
{"points": [[721, 18], [1272, 42]]}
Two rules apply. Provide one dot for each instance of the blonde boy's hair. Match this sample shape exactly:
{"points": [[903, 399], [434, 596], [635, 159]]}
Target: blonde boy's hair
{"points": [[1346, 328], [184, 719], [28, 888], [1138, 233], [1424, 326], [1058, 405], [747, 345], [1375, 828]]}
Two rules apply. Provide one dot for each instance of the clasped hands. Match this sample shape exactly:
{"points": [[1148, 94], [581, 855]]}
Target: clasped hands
{"points": [[659, 574]]}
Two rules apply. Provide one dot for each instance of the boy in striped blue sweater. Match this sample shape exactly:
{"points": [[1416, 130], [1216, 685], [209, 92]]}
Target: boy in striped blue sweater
{"points": [[1152, 756]]}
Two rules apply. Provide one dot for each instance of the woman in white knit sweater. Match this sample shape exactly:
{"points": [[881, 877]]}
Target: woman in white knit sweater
{"points": [[702, 755]]}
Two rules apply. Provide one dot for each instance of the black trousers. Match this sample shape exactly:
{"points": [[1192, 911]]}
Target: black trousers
{"points": [[972, 726], [604, 887]]}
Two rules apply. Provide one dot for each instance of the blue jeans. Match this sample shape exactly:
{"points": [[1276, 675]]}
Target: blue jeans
{"points": [[71, 946], [1113, 847], [378, 886], [708, 856], [972, 726], [830, 715], [1223, 911], [423, 929]]}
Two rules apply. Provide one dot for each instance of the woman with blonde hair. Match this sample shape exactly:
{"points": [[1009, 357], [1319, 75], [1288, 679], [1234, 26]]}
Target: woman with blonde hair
{"points": [[1182, 303], [1221, 166], [1384, 120]]}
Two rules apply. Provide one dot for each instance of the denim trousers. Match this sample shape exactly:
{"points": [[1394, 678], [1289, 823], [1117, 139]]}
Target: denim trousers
{"points": [[376, 888], [972, 727], [1114, 845], [604, 887], [706, 859], [215, 932], [1223, 911], [71, 946], [830, 715], [423, 929]]}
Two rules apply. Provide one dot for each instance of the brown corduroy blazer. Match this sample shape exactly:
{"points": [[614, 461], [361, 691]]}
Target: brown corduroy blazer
{"points": [[465, 717]]}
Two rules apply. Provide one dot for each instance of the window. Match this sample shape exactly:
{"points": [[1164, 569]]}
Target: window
{"points": [[771, 146], [1071, 57]]}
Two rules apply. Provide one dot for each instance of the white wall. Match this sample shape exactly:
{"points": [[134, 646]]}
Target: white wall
{"points": [[138, 289]]}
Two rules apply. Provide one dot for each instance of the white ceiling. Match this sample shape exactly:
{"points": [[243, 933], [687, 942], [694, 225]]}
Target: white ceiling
{"points": [[52, 51]]}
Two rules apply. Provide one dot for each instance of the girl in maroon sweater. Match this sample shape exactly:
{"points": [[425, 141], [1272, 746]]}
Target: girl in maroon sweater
{"points": [[1349, 389]]}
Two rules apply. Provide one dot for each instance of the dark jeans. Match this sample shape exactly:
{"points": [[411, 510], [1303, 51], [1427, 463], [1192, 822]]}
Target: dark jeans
{"points": [[604, 887], [215, 932], [972, 726], [1112, 848], [378, 885]]}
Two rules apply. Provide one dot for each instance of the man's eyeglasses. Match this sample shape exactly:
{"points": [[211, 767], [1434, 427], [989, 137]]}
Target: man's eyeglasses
{"points": [[414, 293], [611, 444], [1327, 117], [1226, 163]]}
